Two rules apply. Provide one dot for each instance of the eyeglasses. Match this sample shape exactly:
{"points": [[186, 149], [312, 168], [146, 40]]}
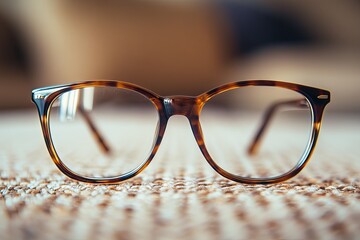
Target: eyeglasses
{"points": [[255, 131]]}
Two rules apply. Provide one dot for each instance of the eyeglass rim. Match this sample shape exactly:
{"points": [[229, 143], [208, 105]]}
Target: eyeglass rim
{"points": [[44, 98]]}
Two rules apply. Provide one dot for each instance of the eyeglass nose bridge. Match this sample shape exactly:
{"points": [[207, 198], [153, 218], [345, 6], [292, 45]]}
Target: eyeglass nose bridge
{"points": [[179, 105]]}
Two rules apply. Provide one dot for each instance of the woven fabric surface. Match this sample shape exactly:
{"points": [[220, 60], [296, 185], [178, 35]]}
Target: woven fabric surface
{"points": [[178, 196]]}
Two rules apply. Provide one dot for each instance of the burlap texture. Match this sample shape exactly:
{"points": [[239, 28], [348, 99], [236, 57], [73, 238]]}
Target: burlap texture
{"points": [[178, 196]]}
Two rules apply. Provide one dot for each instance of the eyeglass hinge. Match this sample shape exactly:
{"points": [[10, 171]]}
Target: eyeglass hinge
{"points": [[39, 96], [323, 96]]}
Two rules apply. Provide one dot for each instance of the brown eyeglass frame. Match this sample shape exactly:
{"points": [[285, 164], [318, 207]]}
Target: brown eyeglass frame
{"points": [[190, 107]]}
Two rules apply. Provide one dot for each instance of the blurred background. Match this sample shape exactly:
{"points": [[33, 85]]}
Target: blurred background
{"points": [[180, 47]]}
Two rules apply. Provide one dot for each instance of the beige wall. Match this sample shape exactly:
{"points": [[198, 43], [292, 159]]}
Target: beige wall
{"points": [[178, 47]]}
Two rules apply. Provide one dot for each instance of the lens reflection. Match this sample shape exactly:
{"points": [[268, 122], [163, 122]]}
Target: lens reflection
{"points": [[257, 131], [102, 131]]}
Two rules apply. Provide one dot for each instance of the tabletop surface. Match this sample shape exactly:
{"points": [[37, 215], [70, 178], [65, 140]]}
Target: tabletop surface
{"points": [[178, 196]]}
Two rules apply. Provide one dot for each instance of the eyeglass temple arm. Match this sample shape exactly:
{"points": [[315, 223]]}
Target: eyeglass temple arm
{"points": [[269, 114], [99, 138]]}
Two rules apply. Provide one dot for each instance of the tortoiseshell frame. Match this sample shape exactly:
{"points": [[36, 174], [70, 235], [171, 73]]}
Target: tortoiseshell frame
{"points": [[188, 106]]}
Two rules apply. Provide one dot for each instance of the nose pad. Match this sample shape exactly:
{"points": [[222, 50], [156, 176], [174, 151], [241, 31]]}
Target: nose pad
{"points": [[156, 133], [197, 131]]}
